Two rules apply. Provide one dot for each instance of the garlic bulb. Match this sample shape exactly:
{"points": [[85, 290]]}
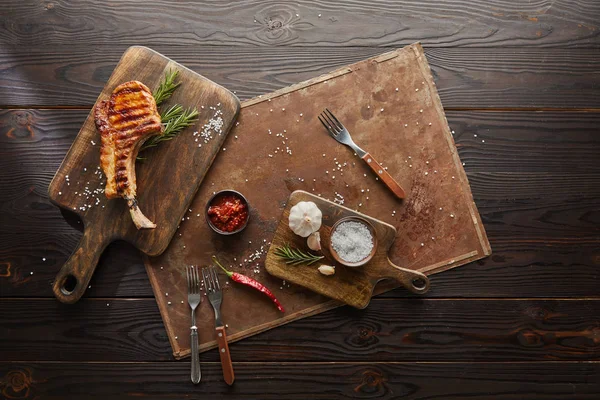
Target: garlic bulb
{"points": [[314, 241], [327, 269], [305, 218]]}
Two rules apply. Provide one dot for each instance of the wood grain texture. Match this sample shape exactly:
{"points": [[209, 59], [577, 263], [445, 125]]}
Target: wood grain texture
{"points": [[389, 329], [352, 286], [164, 197], [535, 181], [259, 23], [479, 77], [540, 213], [414, 381], [224, 355]]}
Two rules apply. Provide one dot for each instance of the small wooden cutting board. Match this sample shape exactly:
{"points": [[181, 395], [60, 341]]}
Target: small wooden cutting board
{"points": [[350, 285], [167, 179]]}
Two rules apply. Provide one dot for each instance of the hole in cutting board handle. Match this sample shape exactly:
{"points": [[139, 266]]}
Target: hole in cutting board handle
{"points": [[419, 283], [69, 284]]}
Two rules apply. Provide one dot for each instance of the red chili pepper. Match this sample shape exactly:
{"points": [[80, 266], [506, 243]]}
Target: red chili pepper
{"points": [[246, 280]]}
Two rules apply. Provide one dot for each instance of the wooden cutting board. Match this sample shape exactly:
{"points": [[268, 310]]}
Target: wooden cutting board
{"points": [[350, 285], [167, 179], [438, 224]]}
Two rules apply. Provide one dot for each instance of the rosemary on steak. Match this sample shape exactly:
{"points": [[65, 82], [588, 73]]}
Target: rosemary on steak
{"points": [[296, 256], [175, 118], [166, 87]]}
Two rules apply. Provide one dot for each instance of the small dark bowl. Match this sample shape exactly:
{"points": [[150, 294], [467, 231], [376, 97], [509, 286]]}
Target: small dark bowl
{"points": [[365, 260], [224, 193]]}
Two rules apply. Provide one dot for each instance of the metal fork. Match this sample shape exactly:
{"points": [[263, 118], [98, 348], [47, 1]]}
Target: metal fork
{"points": [[215, 296], [194, 299], [339, 132]]}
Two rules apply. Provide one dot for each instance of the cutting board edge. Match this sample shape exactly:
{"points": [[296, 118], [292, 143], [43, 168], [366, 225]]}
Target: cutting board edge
{"points": [[468, 193], [332, 74]]}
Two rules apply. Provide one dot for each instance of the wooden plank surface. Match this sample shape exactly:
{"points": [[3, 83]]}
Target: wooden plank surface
{"points": [[382, 380], [397, 23], [389, 329], [491, 329], [479, 77]]}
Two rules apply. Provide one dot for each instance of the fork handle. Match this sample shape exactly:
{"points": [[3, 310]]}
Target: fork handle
{"points": [[195, 357], [226, 364], [384, 176]]}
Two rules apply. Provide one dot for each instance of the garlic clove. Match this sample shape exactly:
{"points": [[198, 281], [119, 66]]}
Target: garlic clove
{"points": [[327, 269], [305, 218], [314, 241]]}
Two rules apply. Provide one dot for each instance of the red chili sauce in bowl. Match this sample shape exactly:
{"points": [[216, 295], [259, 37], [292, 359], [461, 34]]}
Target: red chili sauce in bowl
{"points": [[228, 212]]}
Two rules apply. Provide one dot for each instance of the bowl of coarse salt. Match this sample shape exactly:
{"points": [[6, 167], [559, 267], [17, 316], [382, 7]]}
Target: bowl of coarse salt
{"points": [[352, 241]]}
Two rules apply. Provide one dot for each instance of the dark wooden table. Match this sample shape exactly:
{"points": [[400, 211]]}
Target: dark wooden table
{"points": [[524, 323]]}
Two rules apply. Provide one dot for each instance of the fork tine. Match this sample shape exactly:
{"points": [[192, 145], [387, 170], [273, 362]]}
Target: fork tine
{"points": [[338, 123], [333, 125], [206, 286], [206, 281], [196, 280], [194, 274], [327, 126], [216, 278], [324, 124]]}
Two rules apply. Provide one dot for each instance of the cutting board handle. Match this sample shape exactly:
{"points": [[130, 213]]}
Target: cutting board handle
{"points": [[414, 281], [74, 277]]}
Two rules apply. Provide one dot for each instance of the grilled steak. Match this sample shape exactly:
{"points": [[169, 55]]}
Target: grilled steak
{"points": [[125, 122]]}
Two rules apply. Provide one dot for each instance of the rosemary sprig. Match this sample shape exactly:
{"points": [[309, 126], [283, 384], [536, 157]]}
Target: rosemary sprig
{"points": [[296, 256], [171, 113], [176, 119], [167, 87]]}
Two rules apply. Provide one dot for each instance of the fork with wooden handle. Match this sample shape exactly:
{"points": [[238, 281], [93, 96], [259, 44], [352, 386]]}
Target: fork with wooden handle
{"points": [[340, 133], [215, 296]]}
